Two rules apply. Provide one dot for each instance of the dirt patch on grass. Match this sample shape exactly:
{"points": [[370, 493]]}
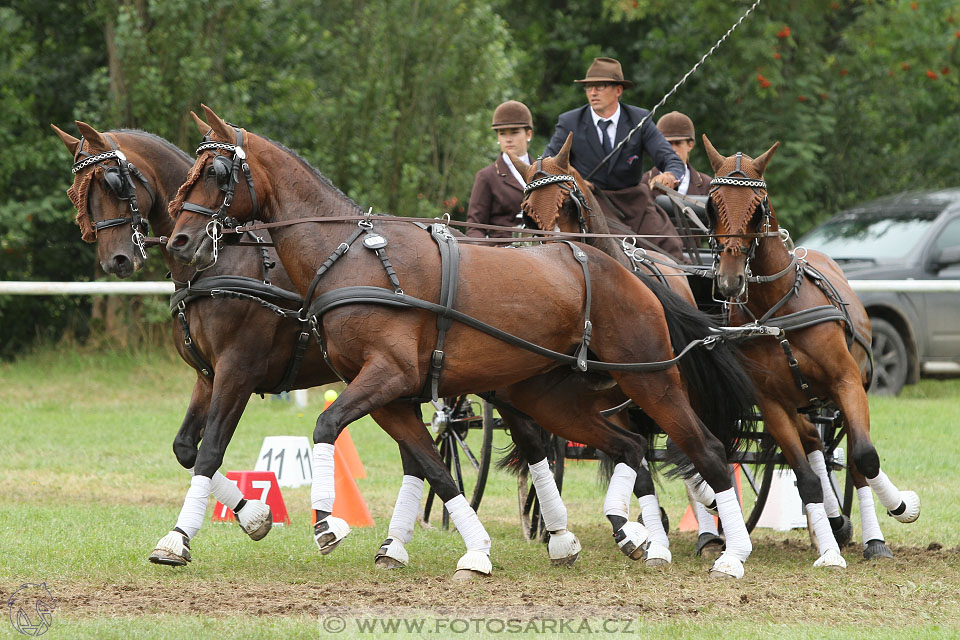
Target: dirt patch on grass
{"points": [[918, 587]]}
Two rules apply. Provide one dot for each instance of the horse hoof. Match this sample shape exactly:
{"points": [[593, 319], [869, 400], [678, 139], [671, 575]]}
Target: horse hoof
{"points": [[656, 555], [709, 546], [386, 562], [391, 555], [630, 538], [330, 532], [564, 548], [255, 519], [876, 549], [831, 559], [172, 550], [465, 575], [843, 531], [727, 566], [910, 503], [474, 562]]}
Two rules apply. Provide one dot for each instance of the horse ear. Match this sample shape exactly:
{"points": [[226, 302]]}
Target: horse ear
{"points": [[219, 127], [760, 164], [91, 135], [201, 125], [563, 156], [520, 165], [71, 143], [715, 158]]}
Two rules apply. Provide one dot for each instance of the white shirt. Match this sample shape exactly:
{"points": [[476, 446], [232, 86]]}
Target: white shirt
{"points": [[685, 181], [611, 128], [516, 174]]}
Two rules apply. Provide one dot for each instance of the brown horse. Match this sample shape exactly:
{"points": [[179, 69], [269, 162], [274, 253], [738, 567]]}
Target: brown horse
{"points": [[823, 356], [109, 202], [382, 333]]}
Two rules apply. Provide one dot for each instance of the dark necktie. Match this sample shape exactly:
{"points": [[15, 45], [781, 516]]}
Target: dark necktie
{"points": [[607, 147]]}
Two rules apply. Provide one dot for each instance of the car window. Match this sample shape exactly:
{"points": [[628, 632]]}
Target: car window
{"points": [[872, 237], [950, 236]]}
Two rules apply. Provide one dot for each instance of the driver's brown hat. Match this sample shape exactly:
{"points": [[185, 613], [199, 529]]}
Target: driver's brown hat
{"points": [[606, 70]]}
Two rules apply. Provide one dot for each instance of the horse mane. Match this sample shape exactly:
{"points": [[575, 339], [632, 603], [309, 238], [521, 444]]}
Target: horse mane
{"points": [[155, 138], [177, 203]]}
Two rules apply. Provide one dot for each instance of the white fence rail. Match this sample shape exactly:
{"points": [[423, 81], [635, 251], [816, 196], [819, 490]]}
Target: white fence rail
{"points": [[11, 287]]}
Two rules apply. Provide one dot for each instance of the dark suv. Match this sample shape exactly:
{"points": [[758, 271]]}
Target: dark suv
{"points": [[912, 236]]}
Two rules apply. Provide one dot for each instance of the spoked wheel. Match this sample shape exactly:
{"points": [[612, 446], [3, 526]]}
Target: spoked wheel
{"points": [[531, 521], [464, 436], [832, 431], [756, 476]]}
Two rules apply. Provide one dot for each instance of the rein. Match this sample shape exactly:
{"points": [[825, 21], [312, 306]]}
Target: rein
{"points": [[120, 182]]}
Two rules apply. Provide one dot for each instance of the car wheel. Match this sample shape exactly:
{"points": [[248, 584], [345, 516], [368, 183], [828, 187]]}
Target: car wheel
{"points": [[889, 359]]}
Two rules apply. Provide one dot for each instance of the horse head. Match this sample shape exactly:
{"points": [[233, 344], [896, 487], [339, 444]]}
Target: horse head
{"points": [[555, 196], [220, 191], [740, 214], [110, 192]]}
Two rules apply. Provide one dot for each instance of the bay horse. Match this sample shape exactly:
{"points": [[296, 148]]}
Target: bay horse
{"points": [[125, 192], [390, 340], [823, 356], [569, 205]]}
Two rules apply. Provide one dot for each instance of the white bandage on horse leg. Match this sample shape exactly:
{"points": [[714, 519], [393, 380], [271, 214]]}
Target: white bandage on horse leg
{"points": [[323, 491], [617, 500], [705, 521], [551, 505], [468, 524], [734, 528], [194, 506], [821, 527], [406, 510], [868, 516], [819, 466], [650, 513], [886, 491], [225, 491], [700, 490]]}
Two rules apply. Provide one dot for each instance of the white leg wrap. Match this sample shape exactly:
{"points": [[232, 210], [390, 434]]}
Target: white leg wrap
{"points": [[468, 524], [734, 528], [225, 490], [551, 505], [827, 545], [819, 466], [322, 492], [406, 510], [617, 501], [705, 521], [868, 516], [650, 512], [194, 506], [886, 491], [700, 490]]}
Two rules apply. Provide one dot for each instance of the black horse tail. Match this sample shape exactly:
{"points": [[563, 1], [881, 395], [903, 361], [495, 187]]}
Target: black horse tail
{"points": [[513, 461], [720, 389]]}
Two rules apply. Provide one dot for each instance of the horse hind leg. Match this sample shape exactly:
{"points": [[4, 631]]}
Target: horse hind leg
{"points": [[656, 551]]}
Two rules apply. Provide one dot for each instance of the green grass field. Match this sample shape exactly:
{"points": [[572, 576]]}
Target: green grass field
{"points": [[90, 484]]}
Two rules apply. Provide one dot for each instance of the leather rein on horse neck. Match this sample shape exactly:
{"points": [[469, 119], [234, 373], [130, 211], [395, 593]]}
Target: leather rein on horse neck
{"points": [[120, 182]]}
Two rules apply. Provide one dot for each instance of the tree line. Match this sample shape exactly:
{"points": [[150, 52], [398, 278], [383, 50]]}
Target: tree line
{"points": [[392, 99]]}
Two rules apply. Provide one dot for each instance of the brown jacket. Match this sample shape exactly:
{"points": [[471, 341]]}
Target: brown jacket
{"points": [[495, 199]]}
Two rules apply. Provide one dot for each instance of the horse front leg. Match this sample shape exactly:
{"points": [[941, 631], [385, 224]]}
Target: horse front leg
{"points": [[392, 553], [813, 447], [230, 394], [902, 505], [563, 547]]}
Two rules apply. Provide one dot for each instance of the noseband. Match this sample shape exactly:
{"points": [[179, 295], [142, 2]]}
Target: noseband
{"points": [[561, 179], [120, 181], [227, 170]]}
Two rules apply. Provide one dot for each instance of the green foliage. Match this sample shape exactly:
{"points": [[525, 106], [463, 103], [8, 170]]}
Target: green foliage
{"points": [[392, 99]]}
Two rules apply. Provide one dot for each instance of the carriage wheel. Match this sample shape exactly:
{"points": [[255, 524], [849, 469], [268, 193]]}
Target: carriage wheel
{"points": [[464, 438], [531, 522], [755, 487]]}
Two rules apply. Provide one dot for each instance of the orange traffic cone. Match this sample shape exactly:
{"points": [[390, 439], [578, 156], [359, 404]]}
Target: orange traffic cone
{"points": [[349, 503], [344, 444], [689, 520]]}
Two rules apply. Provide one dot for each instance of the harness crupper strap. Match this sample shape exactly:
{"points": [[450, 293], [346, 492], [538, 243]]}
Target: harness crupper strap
{"points": [[449, 276]]}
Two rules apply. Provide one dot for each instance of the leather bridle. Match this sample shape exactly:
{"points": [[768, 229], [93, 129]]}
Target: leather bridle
{"points": [[567, 183], [119, 180], [227, 170]]}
